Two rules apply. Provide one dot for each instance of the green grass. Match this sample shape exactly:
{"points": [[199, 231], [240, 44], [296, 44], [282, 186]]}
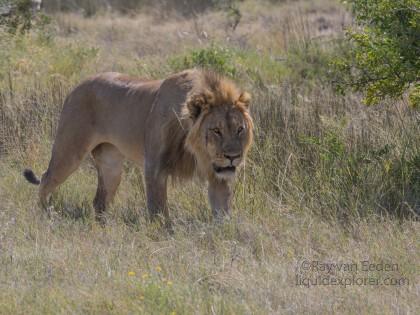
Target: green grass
{"points": [[328, 179]]}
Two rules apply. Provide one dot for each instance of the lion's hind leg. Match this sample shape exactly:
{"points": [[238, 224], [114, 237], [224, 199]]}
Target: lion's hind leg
{"points": [[108, 161], [59, 169], [65, 159]]}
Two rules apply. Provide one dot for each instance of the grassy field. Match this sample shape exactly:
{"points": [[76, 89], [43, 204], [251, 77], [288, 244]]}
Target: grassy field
{"points": [[325, 216]]}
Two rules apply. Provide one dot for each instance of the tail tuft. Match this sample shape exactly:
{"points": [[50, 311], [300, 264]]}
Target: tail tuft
{"points": [[30, 177]]}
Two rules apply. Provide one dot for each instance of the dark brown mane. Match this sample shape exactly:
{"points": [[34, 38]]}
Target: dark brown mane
{"points": [[176, 159]]}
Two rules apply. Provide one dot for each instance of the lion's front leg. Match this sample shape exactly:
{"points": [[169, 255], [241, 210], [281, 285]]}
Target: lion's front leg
{"points": [[156, 189], [220, 197]]}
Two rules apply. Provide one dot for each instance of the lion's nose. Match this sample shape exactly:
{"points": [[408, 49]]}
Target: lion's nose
{"points": [[232, 157]]}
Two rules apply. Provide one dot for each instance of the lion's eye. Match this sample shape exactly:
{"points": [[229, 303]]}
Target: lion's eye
{"points": [[217, 131], [240, 129]]}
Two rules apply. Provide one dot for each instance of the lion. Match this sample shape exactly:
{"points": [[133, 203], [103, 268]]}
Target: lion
{"points": [[195, 122]]}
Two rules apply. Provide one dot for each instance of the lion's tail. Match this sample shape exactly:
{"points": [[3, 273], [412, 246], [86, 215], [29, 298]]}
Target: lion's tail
{"points": [[31, 177]]}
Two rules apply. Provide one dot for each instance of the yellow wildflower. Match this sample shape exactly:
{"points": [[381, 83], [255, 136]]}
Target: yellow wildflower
{"points": [[158, 269], [387, 166], [131, 273]]}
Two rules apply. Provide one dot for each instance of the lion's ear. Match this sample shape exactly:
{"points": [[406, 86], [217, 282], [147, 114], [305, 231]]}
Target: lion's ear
{"points": [[196, 104], [245, 98]]}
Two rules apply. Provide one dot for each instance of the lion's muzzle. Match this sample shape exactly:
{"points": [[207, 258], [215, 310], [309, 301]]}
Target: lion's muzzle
{"points": [[228, 166]]}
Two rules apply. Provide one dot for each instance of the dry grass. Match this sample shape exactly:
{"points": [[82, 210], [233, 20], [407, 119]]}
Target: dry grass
{"points": [[327, 180]]}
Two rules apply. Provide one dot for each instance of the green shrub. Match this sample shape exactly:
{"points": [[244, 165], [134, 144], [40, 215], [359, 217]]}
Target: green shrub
{"points": [[17, 17], [217, 58], [384, 59]]}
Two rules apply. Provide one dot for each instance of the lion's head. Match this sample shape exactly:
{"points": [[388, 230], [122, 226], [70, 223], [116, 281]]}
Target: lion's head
{"points": [[222, 128]]}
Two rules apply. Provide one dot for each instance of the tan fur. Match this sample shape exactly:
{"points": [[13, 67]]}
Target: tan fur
{"points": [[194, 122]]}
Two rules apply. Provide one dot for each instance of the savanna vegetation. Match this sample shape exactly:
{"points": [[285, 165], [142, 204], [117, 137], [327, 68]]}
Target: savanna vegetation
{"points": [[329, 179]]}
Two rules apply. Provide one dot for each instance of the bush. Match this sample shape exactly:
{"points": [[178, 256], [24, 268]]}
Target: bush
{"points": [[19, 16], [217, 58], [384, 59]]}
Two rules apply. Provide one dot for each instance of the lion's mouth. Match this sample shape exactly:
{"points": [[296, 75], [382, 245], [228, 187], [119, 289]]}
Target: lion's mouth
{"points": [[224, 170]]}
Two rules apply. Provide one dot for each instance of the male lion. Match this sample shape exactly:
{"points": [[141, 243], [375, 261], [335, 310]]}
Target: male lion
{"points": [[192, 122]]}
